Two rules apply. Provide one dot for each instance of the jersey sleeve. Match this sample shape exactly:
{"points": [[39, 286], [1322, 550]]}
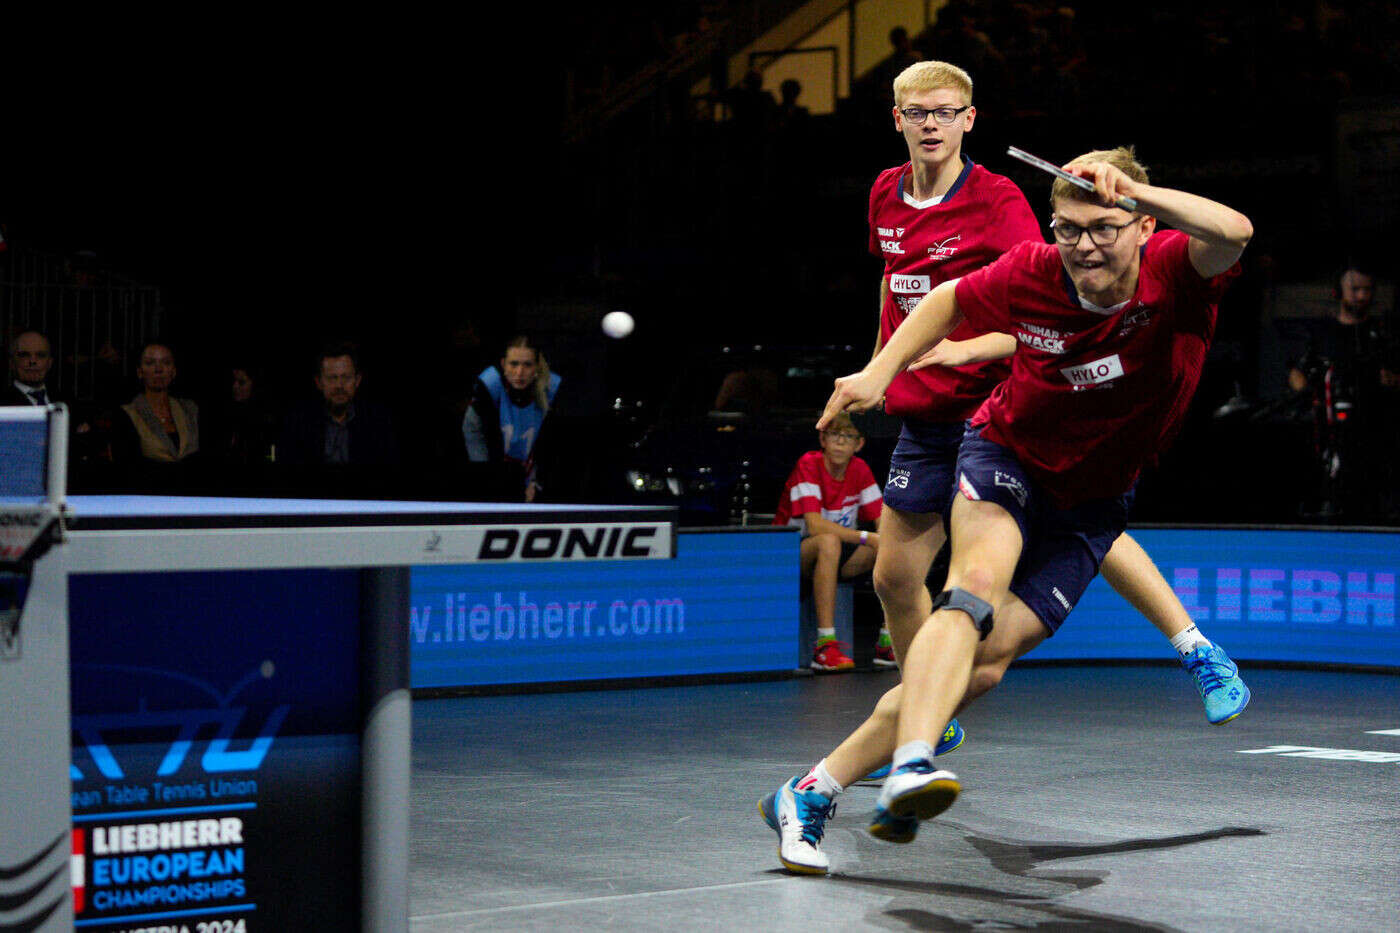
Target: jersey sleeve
{"points": [[1175, 254], [869, 496], [983, 296], [804, 489]]}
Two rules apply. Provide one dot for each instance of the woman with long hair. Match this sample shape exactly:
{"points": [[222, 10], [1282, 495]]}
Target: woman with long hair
{"points": [[508, 408]]}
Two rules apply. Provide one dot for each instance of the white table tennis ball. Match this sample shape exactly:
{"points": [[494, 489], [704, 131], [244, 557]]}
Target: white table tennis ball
{"points": [[618, 324]]}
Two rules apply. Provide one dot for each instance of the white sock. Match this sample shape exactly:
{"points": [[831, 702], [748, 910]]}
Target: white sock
{"points": [[821, 781], [824, 633], [917, 750], [1189, 640]]}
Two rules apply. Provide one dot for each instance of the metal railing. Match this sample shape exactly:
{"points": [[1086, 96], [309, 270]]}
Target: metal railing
{"points": [[95, 330]]}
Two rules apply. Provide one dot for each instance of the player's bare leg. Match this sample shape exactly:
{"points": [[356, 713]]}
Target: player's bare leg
{"points": [[909, 541], [1016, 632], [986, 546], [1131, 572], [938, 668], [870, 746]]}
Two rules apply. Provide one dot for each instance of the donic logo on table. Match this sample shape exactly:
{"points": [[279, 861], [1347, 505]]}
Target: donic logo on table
{"points": [[210, 729]]}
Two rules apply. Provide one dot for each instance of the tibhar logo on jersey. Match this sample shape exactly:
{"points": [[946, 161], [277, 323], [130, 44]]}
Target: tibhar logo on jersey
{"points": [[1055, 591], [941, 250], [899, 479], [891, 246], [886, 231], [1007, 481], [1095, 373], [1041, 338], [910, 284]]}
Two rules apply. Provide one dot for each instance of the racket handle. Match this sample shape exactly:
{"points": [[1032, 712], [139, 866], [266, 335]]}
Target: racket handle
{"points": [[1128, 204]]}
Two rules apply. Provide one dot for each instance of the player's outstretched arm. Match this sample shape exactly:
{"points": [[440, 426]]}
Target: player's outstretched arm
{"points": [[981, 349], [932, 319], [1218, 233]]}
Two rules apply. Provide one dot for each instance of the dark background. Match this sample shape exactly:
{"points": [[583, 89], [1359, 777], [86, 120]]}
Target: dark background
{"points": [[284, 179]]}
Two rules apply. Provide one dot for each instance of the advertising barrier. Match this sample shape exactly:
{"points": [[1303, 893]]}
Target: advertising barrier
{"points": [[728, 603], [1303, 596]]}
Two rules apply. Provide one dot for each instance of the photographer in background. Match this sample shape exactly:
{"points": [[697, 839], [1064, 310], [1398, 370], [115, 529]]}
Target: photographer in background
{"points": [[1350, 374]]}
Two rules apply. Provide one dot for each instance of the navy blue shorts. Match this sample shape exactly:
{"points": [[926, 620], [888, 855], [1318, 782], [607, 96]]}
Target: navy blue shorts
{"points": [[922, 467], [1061, 548]]}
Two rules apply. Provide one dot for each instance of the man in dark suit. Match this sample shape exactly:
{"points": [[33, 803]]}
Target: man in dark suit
{"points": [[339, 443], [31, 358]]}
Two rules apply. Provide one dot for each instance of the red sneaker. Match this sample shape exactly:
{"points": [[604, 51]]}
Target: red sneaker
{"points": [[829, 657], [884, 657]]}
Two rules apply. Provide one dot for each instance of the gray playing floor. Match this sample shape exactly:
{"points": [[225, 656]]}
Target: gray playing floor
{"points": [[1094, 798]]}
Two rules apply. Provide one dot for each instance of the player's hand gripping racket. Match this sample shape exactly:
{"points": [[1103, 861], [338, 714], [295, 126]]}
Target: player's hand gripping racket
{"points": [[1128, 204]]}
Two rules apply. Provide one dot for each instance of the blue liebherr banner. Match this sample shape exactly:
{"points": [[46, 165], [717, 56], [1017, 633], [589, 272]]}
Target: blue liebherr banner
{"points": [[1321, 597]]}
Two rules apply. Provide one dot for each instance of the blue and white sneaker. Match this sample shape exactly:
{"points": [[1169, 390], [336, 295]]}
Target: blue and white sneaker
{"points": [[914, 791], [799, 818], [1218, 681], [951, 738]]}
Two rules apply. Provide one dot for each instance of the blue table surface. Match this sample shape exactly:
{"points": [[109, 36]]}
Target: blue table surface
{"points": [[138, 506]]}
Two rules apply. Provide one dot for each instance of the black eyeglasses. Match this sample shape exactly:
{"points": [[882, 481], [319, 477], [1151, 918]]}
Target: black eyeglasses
{"points": [[943, 115], [1102, 234], [844, 437]]}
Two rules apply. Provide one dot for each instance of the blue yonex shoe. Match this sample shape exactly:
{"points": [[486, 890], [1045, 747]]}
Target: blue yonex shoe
{"points": [[885, 825], [1218, 681], [951, 738], [799, 818], [914, 791]]}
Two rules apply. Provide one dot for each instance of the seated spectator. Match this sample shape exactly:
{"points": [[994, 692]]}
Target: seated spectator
{"points": [[31, 358], [245, 428], [339, 443], [829, 493], [158, 440], [241, 433], [507, 412]]}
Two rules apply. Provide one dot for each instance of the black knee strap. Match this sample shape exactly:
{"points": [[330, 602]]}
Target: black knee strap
{"points": [[978, 609]]}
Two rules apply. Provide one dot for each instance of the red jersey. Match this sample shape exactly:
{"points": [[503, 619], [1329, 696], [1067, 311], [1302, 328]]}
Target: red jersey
{"points": [[811, 488], [982, 216], [1094, 395]]}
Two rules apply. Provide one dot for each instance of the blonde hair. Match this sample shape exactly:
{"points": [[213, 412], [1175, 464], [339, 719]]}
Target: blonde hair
{"points": [[541, 369], [1124, 158], [922, 77]]}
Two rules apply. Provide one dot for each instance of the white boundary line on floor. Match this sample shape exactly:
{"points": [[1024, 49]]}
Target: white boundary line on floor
{"points": [[596, 900]]}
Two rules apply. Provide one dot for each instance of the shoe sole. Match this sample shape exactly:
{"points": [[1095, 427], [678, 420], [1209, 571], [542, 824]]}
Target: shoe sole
{"points": [[928, 801], [885, 665], [945, 749], [1235, 715], [822, 669], [765, 810]]}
